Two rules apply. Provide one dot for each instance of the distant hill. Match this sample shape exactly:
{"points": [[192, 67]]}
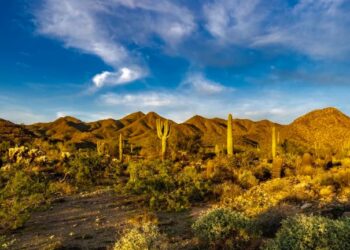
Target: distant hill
{"points": [[328, 127], [325, 128], [14, 133]]}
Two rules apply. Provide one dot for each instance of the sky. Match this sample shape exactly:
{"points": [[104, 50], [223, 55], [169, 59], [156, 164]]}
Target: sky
{"points": [[95, 59]]}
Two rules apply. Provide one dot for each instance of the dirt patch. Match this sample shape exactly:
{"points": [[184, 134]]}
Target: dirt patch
{"points": [[94, 221]]}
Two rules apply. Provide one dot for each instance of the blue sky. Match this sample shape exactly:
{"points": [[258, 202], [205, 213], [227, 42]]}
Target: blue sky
{"points": [[96, 59]]}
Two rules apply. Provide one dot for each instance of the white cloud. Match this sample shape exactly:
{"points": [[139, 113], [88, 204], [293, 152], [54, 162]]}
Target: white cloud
{"points": [[123, 76], [198, 83], [319, 29], [76, 23], [169, 21], [144, 99], [180, 105], [101, 27]]}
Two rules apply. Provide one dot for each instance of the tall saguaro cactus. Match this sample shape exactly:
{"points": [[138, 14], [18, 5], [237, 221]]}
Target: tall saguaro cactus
{"points": [[273, 144], [229, 136], [121, 147], [163, 132]]}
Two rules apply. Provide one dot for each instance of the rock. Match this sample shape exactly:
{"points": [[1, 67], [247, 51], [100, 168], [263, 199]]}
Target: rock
{"points": [[306, 206]]}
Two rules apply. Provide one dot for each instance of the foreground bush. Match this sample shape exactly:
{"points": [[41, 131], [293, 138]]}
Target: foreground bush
{"points": [[146, 237], [224, 228], [312, 232], [22, 193], [167, 186]]}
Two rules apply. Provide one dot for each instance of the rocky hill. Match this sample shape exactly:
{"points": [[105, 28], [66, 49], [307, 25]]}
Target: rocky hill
{"points": [[322, 128]]}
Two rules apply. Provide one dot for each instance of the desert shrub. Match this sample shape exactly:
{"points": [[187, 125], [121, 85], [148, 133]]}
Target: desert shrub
{"points": [[271, 193], [22, 193], [61, 188], [262, 172], [312, 232], [85, 169], [220, 169], [167, 186], [224, 228], [227, 191], [246, 179], [146, 237]]}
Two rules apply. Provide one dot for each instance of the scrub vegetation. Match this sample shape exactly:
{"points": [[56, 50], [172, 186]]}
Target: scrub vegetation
{"points": [[257, 185]]}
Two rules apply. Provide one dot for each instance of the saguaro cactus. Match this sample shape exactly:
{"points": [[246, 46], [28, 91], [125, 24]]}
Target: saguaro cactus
{"points": [[163, 132], [121, 147], [273, 144], [229, 136]]}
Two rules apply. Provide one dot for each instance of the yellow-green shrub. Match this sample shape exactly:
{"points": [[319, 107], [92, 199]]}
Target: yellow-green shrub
{"points": [[312, 232], [224, 229], [146, 237]]}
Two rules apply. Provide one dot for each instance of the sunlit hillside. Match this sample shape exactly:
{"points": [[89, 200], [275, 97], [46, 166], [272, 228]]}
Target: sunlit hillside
{"points": [[175, 124], [147, 181]]}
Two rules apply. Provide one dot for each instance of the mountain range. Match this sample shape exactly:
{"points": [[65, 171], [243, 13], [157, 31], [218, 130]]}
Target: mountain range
{"points": [[327, 127]]}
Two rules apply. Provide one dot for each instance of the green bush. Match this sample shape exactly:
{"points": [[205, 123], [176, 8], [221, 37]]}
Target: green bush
{"points": [[224, 228], [166, 186], [86, 169], [22, 193], [311, 232], [146, 237]]}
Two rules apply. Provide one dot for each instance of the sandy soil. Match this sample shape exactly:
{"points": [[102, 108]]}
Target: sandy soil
{"points": [[95, 221]]}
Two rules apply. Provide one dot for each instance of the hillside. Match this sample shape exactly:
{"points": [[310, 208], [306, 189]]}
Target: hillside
{"points": [[329, 127], [325, 128], [14, 133]]}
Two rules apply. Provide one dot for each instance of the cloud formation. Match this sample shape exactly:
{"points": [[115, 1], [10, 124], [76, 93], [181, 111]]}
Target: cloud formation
{"points": [[318, 29], [76, 24], [207, 36], [147, 99], [315, 28], [198, 83], [123, 76]]}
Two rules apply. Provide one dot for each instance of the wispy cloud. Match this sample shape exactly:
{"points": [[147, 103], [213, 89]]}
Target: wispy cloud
{"points": [[216, 100], [144, 99], [123, 76], [76, 23], [178, 106], [198, 83], [319, 29], [105, 28], [114, 29]]}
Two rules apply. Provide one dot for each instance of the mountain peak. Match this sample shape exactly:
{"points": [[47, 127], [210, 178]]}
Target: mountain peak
{"points": [[68, 119], [152, 115], [134, 116], [324, 113], [196, 120]]}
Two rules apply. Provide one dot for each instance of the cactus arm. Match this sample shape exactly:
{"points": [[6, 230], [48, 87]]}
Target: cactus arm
{"points": [[159, 128], [166, 128], [168, 134]]}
